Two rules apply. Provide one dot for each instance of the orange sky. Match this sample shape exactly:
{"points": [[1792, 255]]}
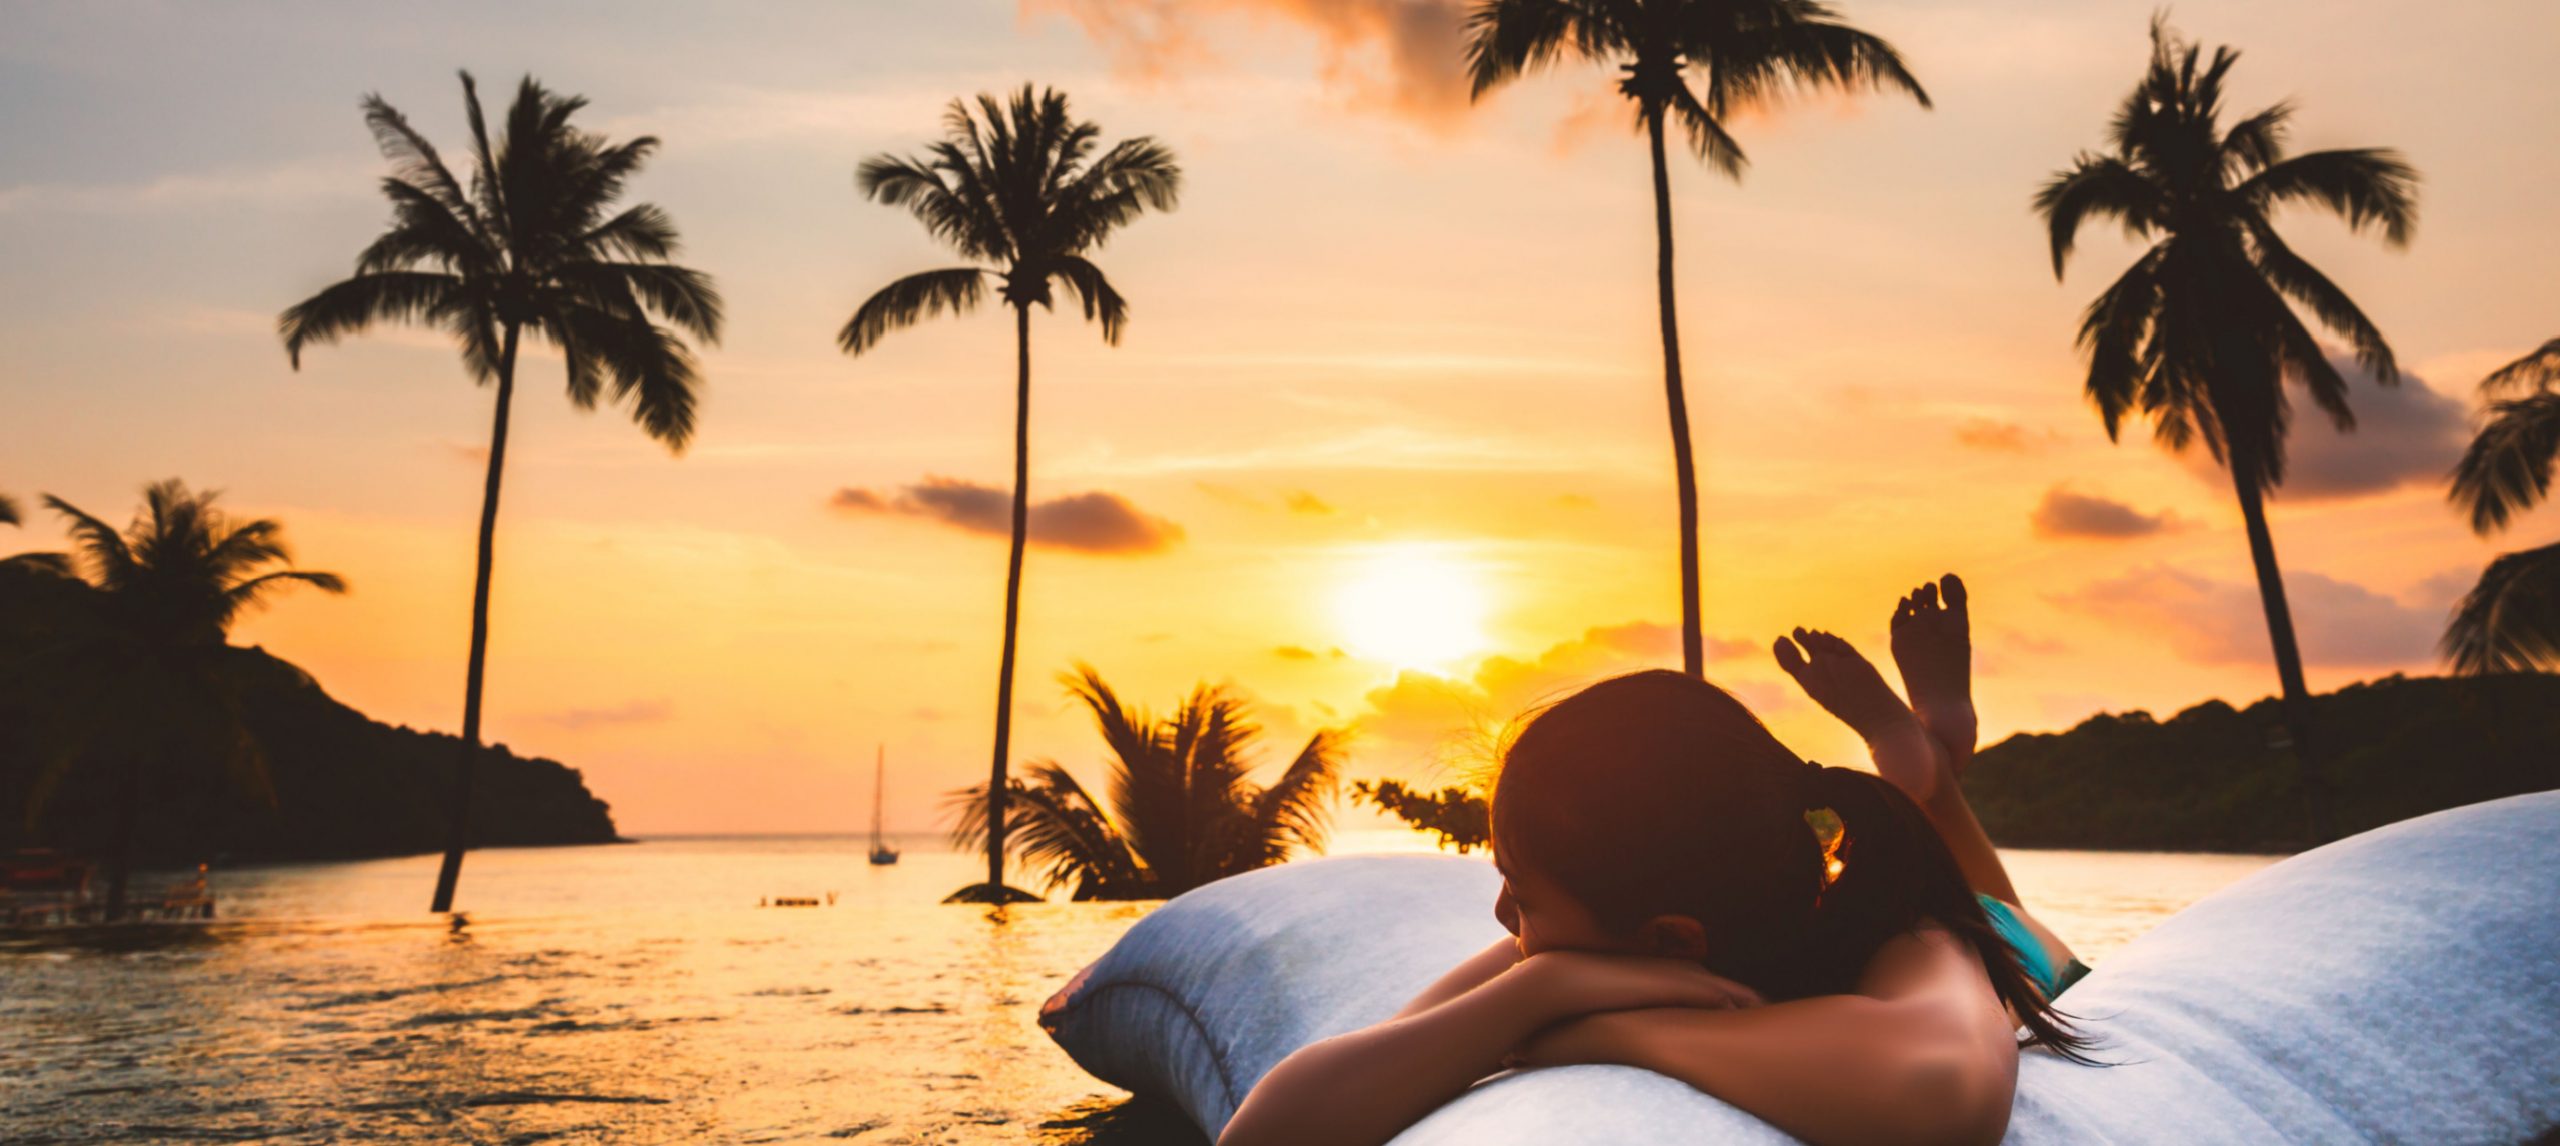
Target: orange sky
{"points": [[1386, 336]]}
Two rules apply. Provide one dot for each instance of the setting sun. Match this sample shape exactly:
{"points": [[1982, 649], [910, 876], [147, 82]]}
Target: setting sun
{"points": [[1411, 606]]}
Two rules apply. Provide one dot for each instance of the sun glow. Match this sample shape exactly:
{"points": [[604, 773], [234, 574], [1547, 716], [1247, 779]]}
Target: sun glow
{"points": [[1413, 606]]}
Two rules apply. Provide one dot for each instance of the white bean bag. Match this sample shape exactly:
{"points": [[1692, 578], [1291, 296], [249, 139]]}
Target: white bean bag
{"points": [[2399, 986]]}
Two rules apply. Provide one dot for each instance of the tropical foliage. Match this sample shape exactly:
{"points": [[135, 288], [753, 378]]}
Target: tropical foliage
{"points": [[8, 510], [532, 244], [1028, 193], [1459, 816], [1182, 809], [2201, 334], [2510, 621], [127, 635], [1741, 54]]}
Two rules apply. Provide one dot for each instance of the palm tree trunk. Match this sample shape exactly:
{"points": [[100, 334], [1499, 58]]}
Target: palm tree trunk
{"points": [[120, 857], [1683, 461], [1012, 598], [2297, 697], [469, 750]]}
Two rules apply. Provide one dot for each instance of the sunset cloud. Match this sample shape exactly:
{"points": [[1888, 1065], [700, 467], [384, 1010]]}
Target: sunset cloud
{"points": [[2405, 435], [1092, 522], [2213, 622], [1459, 723], [1402, 57], [1992, 435], [2066, 514]]}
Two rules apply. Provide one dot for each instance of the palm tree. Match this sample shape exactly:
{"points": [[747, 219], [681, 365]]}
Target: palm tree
{"points": [[531, 245], [1182, 809], [2200, 334], [8, 510], [2510, 621], [134, 650], [1744, 53], [1018, 186]]}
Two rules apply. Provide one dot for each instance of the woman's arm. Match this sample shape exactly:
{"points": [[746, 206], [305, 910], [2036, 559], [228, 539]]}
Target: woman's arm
{"points": [[1926, 1054], [1365, 1087], [1478, 970]]}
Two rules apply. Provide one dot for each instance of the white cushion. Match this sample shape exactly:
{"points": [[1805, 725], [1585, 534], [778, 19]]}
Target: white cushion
{"points": [[2399, 986]]}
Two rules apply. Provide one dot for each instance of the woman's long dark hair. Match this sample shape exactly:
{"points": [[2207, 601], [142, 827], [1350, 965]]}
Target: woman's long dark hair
{"points": [[1658, 794]]}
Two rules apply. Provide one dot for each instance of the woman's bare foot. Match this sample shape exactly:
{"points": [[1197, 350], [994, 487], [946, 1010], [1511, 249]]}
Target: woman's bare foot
{"points": [[1933, 646], [1847, 686]]}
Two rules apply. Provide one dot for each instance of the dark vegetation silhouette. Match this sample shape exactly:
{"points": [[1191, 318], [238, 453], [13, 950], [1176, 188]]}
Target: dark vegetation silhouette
{"points": [[1182, 809], [2510, 621], [8, 510], [2201, 334], [1027, 190], [1457, 814], [1741, 54], [120, 648], [531, 245], [2206, 779]]}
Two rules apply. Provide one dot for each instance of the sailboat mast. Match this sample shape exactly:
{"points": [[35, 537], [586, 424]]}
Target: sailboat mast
{"points": [[879, 771]]}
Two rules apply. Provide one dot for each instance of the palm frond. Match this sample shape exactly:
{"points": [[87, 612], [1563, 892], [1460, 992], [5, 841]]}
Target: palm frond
{"points": [[909, 301], [1507, 39], [1101, 303], [351, 306], [2539, 370], [252, 593], [1800, 47], [2507, 468], [2098, 187], [2298, 279], [99, 550], [2366, 186], [1296, 811], [8, 510], [2510, 621]]}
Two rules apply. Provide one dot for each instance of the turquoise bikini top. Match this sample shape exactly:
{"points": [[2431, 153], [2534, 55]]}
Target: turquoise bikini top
{"points": [[2032, 957]]}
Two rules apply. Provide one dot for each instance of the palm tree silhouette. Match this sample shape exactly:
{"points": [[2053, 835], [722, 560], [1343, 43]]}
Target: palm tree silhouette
{"points": [[1017, 185], [2198, 334], [1182, 809], [133, 647], [1744, 53], [531, 245], [8, 510], [2510, 621]]}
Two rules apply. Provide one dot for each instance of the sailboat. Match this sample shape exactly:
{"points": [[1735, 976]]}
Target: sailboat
{"points": [[881, 852]]}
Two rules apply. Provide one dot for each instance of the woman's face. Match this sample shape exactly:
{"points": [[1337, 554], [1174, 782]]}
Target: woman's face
{"points": [[1543, 918]]}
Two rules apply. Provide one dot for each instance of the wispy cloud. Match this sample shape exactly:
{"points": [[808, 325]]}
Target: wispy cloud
{"points": [[1399, 57], [2208, 621], [654, 711], [2068, 514], [1092, 522], [287, 185]]}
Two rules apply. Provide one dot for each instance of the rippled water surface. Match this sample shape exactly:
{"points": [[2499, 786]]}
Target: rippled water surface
{"points": [[636, 993]]}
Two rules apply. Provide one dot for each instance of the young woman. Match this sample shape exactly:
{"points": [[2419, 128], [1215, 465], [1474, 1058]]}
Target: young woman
{"points": [[1674, 905]]}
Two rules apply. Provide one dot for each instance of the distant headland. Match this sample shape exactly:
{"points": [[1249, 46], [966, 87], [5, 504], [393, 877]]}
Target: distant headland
{"points": [[2215, 778], [345, 786]]}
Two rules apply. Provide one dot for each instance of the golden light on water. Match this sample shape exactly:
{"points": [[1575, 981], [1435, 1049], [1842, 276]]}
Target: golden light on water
{"points": [[1412, 605]]}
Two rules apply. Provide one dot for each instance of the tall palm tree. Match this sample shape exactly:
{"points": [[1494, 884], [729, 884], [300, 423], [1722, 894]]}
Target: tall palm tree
{"points": [[1182, 810], [2201, 334], [531, 245], [1742, 53], [138, 670], [1029, 191], [2510, 621]]}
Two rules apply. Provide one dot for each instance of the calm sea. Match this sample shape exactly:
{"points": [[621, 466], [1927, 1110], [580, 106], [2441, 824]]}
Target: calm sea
{"points": [[637, 993]]}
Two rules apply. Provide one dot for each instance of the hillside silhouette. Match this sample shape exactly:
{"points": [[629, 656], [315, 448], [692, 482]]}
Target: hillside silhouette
{"points": [[2210, 779], [346, 786]]}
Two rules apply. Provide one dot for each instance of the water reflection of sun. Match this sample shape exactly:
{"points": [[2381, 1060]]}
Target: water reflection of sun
{"points": [[1411, 605]]}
